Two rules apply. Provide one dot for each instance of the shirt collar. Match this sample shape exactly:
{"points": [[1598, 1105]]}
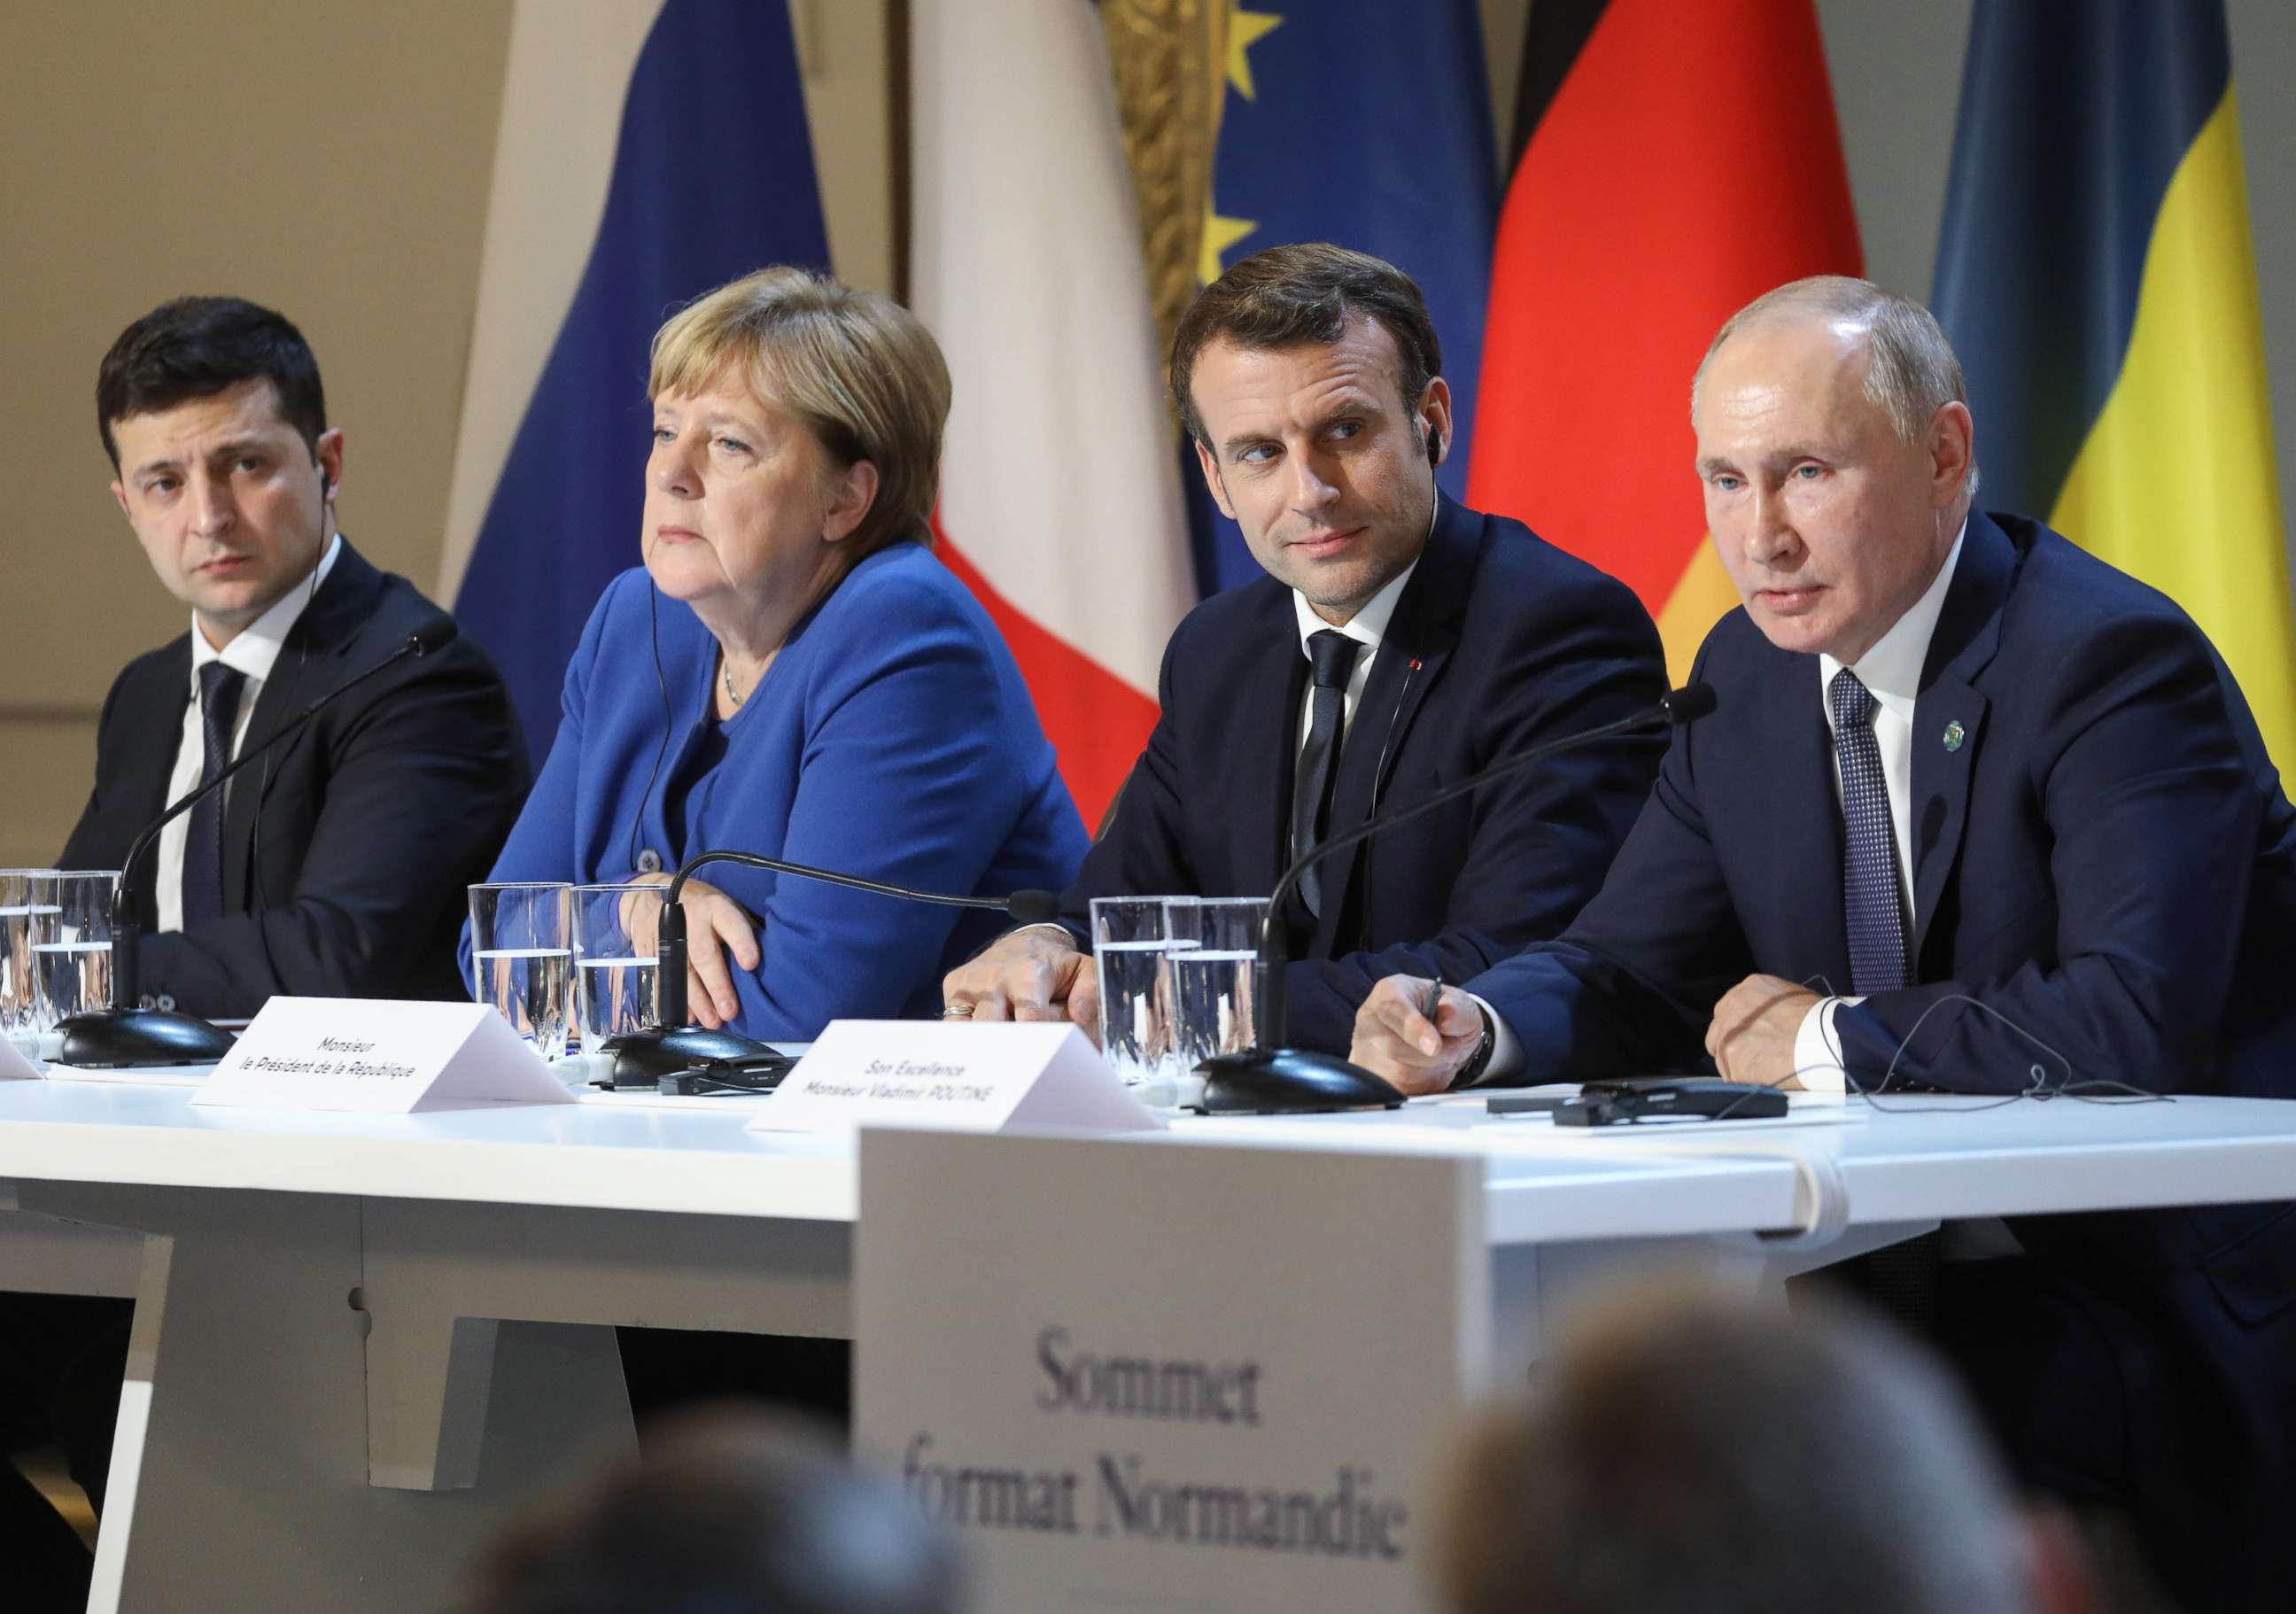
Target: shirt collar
{"points": [[1892, 667], [1367, 626], [254, 650]]}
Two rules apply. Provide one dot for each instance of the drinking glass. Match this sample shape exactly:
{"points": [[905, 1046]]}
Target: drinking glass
{"points": [[522, 957], [27, 897], [614, 932], [72, 948], [1215, 982], [1131, 936]]}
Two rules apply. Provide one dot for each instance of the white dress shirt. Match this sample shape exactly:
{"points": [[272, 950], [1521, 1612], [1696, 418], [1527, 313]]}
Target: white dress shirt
{"points": [[1367, 627], [252, 653], [1892, 671]]}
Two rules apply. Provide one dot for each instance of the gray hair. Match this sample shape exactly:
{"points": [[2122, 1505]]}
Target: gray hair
{"points": [[1912, 371]]}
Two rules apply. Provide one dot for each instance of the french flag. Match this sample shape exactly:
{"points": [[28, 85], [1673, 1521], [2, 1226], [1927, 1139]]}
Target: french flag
{"points": [[1060, 498], [649, 149]]}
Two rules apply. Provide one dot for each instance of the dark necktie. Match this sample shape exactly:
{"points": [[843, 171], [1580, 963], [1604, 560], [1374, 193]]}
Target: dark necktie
{"points": [[1331, 657], [219, 692], [1870, 902]]}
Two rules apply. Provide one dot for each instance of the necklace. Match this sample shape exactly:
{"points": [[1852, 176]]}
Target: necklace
{"points": [[725, 669]]}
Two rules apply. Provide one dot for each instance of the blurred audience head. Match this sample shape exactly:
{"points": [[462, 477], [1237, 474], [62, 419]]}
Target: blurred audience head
{"points": [[1687, 1452], [730, 1513]]}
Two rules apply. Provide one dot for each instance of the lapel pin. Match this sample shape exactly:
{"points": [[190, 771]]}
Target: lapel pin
{"points": [[1953, 736]]}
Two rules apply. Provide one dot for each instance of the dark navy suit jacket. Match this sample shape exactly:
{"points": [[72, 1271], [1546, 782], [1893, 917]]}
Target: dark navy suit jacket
{"points": [[2105, 861], [1499, 642], [891, 738], [346, 854]]}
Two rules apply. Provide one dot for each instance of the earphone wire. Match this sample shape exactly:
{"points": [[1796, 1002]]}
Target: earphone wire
{"points": [[668, 718]]}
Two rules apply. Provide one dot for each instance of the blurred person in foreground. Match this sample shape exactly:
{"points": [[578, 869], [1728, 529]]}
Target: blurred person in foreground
{"points": [[728, 1513], [791, 673], [1399, 642], [1687, 1452]]}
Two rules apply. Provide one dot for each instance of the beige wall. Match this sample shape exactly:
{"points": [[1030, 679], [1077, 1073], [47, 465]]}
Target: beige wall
{"points": [[332, 161], [329, 160]]}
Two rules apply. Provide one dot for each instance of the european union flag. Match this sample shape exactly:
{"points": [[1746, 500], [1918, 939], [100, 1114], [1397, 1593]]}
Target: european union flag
{"points": [[1367, 124]]}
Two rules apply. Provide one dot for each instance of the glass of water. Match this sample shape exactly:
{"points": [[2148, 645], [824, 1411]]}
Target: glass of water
{"points": [[1215, 984], [523, 955], [614, 932], [27, 897], [72, 948], [1130, 938]]}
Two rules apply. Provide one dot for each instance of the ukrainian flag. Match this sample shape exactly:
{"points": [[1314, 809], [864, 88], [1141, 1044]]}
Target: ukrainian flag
{"points": [[2096, 277]]}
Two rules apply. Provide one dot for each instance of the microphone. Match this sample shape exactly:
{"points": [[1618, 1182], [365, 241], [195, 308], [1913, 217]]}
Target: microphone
{"points": [[674, 1043], [1270, 1080], [124, 1036]]}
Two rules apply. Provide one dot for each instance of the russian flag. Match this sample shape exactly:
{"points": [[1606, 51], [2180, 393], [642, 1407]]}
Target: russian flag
{"points": [[1060, 501], [649, 149]]}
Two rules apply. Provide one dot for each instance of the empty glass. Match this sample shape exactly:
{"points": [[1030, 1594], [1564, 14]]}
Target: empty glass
{"points": [[614, 932], [72, 948], [522, 958], [1130, 938], [27, 896], [1214, 981]]}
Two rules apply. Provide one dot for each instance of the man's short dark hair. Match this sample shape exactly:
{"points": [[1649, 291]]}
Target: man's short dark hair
{"points": [[196, 347], [1688, 1451], [1291, 296]]}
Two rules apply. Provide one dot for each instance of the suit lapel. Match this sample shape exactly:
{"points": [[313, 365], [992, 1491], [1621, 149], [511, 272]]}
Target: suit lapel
{"points": [[1259, 769], [1949, 714], [158, 713], [308, 667], [1420, 638]]}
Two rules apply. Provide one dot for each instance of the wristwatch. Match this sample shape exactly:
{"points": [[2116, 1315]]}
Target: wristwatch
{"points": [[1472, 1072]]}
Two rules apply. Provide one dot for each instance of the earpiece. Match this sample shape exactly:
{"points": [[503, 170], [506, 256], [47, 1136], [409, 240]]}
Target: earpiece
{"points": [[1434, 449]]}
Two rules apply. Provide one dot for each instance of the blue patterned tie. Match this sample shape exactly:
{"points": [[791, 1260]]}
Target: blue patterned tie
{"points": [[1869, 868], [219, 690]]}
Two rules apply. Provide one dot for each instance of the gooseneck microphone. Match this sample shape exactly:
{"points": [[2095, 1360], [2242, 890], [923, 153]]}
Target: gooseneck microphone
{"points": [[124, 1036], [675, 1044], [1269, 1078]]}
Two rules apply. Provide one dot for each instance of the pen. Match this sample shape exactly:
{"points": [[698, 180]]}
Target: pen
{"points": [[1432, 1001]]}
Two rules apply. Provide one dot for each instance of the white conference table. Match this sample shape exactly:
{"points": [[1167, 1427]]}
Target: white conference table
{"points": [[360, 1341]]}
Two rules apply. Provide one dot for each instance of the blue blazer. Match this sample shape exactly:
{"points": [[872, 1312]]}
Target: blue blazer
{"points": [[892, 737], [2104, 859]]}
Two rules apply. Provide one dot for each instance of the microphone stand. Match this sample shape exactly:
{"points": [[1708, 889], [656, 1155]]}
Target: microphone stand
{"points": [[676, 1044], [126, 1037], [1271, 1079]]}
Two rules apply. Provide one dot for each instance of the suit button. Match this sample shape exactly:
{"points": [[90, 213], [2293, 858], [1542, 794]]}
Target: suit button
{"points": [[649, 862]]}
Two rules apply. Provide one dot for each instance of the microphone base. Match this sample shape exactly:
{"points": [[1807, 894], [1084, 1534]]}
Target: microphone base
{"points": [[1288, 1081], [642, 1058], [127, 1039]]}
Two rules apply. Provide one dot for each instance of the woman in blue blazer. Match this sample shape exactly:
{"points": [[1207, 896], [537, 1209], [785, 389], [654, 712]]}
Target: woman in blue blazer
{"points": [[792, 673]]}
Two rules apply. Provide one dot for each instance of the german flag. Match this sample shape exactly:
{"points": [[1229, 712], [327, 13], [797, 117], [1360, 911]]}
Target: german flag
{"points": [[1679, 158], [2096, 278]]}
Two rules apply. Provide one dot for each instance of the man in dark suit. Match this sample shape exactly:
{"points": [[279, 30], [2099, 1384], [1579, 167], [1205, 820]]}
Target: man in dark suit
{"points": [[1979, 813], [337, 866], [334, 868], [1399, 642]]}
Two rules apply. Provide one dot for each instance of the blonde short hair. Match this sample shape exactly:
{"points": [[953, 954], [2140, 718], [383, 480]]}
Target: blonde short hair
{"points": [[865, 378]]}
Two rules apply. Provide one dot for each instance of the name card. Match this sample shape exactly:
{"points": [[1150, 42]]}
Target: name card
{"points": [[15, 1064], [380, 1056], [953, 1077]]}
